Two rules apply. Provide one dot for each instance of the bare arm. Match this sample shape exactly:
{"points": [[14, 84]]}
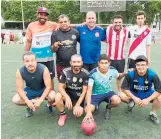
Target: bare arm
{"points": [[81, 98], [20, 86], [21, 92], [55, 46], [61, 89], [47, 82], [118, 82], [88, 98], [128, 93], [28, 45]]}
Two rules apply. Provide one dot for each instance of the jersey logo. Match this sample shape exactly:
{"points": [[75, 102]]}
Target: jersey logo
{"points": [[97, 34], [74, 79], [84, 33], [80, 80], [146, 82], [73, 37]]}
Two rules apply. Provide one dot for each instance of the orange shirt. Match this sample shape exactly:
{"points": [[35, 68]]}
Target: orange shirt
{"points": [[36, 27]]}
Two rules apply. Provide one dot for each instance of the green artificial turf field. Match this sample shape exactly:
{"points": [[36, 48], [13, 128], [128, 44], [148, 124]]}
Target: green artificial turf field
{"points": [[14, 125]]}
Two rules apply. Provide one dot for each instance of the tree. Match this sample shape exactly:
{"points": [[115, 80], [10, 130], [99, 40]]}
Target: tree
{"points": [[11, 10]]}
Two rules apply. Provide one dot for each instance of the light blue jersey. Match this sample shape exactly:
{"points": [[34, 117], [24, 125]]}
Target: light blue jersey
{"points": [[102, 82]]}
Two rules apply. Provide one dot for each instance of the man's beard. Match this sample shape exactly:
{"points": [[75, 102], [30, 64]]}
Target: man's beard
{"points": [[42, 21], [77, 68]]}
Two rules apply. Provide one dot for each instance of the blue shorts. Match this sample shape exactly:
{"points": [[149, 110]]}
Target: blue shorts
{"points": [[31, 94], [97, 99]]}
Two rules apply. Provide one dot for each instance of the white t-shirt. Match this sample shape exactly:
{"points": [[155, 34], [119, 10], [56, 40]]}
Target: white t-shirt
{"points": [[134, 32]]}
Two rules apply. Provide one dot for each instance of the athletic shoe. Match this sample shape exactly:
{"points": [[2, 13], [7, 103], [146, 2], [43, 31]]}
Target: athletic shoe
{"points": [[62, 119], [131, 105], [153, 117], [107, 114], [49, 109], [28, 112]]}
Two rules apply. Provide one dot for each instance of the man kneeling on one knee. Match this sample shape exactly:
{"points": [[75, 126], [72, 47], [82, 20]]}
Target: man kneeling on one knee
{"points": [[38, 85], [138, 89]]}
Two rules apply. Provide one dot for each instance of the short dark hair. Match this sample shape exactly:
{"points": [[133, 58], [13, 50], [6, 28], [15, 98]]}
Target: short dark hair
{"points": [[118, 16], [104, 57], [28, 53], [63, 16], [140, 13]]}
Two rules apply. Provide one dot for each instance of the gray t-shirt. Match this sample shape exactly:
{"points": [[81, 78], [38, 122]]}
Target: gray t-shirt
{"points": [[69, 40], [34, 80]]}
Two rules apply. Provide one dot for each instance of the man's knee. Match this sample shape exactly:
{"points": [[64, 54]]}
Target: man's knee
{"points": [[17, 100], [159, 98], [115, 100], [58, 98], [124, 97], [51, 96]]}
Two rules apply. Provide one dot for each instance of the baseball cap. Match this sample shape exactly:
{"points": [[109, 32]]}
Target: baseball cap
{"points": [[141, 58], [42, 10]]}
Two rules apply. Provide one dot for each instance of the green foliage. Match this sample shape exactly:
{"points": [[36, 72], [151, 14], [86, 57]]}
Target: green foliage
{"points": [[11, 10]]}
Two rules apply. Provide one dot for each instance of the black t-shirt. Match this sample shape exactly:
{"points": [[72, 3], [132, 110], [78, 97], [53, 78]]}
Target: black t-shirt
{"points": [[69, 40], [74, 82]]}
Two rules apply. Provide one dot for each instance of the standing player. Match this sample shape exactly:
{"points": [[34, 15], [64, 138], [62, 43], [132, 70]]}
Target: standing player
{"points": [[38, 85], [72, 89], [90, 41], [116, 40], [38, 39], [2, 37], [138, 87], [99, 87], [64, 43], [140, 40]]}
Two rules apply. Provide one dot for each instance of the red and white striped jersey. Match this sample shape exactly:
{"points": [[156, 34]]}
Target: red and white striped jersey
{"points": [[142, 38], [116, 41]]}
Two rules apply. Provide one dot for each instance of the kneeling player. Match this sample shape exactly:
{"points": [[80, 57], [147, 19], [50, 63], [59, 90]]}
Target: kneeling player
{"points": [[99, 87], [38, 85], [137, 88], [72, 89]]}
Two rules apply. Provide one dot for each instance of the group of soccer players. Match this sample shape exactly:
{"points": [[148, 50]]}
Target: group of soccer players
{"points": [[84, 81]]}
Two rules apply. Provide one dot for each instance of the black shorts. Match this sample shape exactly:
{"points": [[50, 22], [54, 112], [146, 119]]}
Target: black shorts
{"points": [[131, 63], [74, 100], [50, 66], [90, 67], [119, 65]]}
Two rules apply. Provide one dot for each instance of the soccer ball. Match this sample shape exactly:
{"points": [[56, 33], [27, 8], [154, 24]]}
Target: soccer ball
{"points": [[89, 127]]}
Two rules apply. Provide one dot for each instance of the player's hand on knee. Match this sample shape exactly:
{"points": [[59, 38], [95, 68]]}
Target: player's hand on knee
{"points": [[30, 104], [37, 102], [68, 103], [144, 103], [77, 111], [137, 100]]}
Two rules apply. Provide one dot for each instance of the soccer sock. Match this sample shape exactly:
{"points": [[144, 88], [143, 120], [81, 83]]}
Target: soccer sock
{"points": [[62, 113]]}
